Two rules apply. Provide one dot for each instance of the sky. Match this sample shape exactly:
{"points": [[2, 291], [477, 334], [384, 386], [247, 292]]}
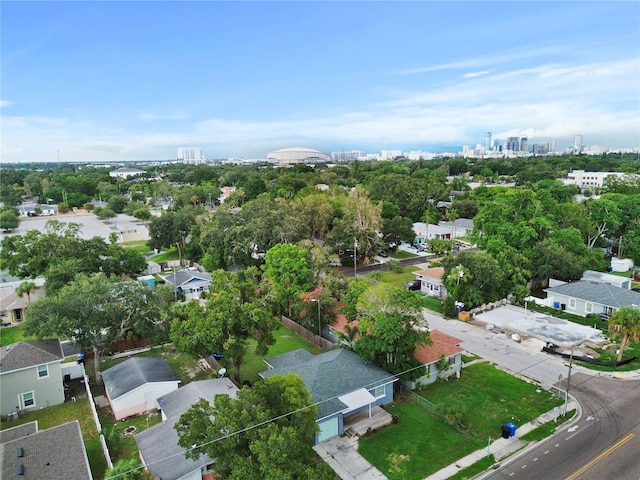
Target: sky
{"points": [[122, 81]]}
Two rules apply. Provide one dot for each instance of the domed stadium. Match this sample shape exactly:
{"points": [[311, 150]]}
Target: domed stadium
{"points": [[297, 155]]}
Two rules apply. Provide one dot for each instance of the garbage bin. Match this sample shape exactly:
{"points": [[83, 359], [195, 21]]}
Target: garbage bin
{"points": [[512, 429], [556, 304], [505, 431]]}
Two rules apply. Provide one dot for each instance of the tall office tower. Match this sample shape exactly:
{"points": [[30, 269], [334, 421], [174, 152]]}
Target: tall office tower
{"points": [[190, 155], [552, 145], [487, 141], [513, 144], [524, 144], [577, 144]]}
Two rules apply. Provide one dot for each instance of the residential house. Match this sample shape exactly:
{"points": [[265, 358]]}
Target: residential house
{"points": [[189, 282], [54, 453], [133, 386], [431, 281], [443, 230], [13, 308], [30, 376], [460, 228], [340, 383], [587, 297], [158, 445], [430, 356]]}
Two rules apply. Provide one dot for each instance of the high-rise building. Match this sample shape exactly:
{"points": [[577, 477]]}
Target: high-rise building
{"points": [[487, 141], [513, 144], [577, 144], [524, 144], [552, 145], [190, 155]]}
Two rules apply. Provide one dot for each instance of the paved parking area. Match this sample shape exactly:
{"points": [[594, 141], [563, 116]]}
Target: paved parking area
{"points": [[545, 327], [341, 453]]}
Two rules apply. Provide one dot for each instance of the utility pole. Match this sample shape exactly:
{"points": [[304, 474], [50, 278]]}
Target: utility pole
{"points": [[355, 257], [566, 393]]}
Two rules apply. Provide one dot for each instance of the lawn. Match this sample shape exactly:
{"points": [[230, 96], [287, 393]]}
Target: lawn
{"points": [[67, 412], [286, 341], [490, 398], [13, 334]]}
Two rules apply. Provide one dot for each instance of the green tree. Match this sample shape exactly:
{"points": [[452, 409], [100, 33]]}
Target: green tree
{"points": [[9, 219], [625, 324], [117, 203], [265, 432], [288, 266], [172, 228], [27, 287], [104, 213], [440, 246], [94, 310], [392, 327], [398, 229]]}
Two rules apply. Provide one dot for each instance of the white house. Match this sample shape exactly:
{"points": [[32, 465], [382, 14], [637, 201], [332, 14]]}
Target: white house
{"points": [[431, 281], [125, 172], [588, 297], [442, 345], [133, 386]]}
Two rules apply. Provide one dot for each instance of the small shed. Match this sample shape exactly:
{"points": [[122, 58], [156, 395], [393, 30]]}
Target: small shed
{"points": [[134, 385], [621, 264]]}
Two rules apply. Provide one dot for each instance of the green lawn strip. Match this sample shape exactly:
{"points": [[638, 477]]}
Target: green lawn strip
{"points": [[418, 445], [547, 429], [286, 341], [13, 334], [67, 412], [170, 254], [473, 470], [400, 254]]}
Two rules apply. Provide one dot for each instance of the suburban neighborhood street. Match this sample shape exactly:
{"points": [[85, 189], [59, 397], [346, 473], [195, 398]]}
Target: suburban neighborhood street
{"points": [[603, 441]]}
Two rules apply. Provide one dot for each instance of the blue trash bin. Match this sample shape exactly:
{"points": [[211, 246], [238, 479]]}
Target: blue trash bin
{"points": [[512, 429], [556, 304]]}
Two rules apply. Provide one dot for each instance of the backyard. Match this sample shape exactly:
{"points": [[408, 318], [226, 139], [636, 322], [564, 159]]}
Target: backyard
{"points": [[421, 443]]}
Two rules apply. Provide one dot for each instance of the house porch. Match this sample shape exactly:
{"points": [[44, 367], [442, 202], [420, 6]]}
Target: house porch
{"points": [[359, 424]]}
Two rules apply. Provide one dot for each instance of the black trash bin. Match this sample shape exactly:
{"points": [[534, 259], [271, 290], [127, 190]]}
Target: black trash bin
{"points": [[506, 431]]}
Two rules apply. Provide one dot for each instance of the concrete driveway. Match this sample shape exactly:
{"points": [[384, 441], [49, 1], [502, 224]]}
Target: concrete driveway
{"points": [[342, 455]]}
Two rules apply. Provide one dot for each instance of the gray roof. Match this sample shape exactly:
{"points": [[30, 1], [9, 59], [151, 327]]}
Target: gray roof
{"points": [[56, 453], [132, 373], [182, 277], [159, 444], [600, 293], [329, 375], [19, 431], [29, 353]]}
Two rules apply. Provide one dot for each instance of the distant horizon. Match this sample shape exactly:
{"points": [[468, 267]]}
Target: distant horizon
{"points": [[124, 81]]}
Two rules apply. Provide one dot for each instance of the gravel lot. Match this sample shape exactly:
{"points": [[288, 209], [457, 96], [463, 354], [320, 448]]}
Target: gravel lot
{"points": [[128, 228]]}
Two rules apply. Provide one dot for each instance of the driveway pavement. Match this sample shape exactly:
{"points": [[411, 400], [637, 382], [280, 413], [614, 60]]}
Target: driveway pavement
{"points": [[342, 455]]}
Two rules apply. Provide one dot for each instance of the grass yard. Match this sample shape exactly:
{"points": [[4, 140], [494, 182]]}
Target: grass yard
{"points": [[418, 445], [13, 334], [122, 446], [400, 254], [488, 396], [170, 254], [67, 412], [286, 341]]}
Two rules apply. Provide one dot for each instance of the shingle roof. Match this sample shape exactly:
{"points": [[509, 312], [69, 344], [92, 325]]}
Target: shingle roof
{"points": [[600, 293], [159, 444], [329, 375], [132, 373], [441, 344], [29, 353], [56, 453], [182, 277]]}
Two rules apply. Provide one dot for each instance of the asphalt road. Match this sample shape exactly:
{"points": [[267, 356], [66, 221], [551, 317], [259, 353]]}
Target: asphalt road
{"points": [[604, 442]]}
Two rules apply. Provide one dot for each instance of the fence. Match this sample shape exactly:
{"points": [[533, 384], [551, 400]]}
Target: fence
{"points": [[94, 411], [417, 399], [321, 342]]}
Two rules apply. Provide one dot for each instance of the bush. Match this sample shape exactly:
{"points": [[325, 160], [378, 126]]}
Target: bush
{"points": [[142, 214]]}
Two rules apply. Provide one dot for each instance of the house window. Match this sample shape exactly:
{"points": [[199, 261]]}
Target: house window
{"points": [[28, 399], [43, 371], [378, 392], [572, 303], [588, 307]]}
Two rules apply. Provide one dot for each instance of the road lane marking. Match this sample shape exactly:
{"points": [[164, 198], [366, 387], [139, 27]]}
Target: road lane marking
{"points": [[546, 451], [587, 466], [535, 459]]}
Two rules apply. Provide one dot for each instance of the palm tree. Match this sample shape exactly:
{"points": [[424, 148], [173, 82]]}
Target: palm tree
{"points": [[625, 323], [26, 287]]}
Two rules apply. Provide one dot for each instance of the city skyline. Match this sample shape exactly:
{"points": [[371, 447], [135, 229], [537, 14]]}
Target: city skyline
{"points": [[123, 81]]}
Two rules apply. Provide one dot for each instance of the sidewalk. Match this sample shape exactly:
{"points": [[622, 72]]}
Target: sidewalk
{"points": [[502, 447]]}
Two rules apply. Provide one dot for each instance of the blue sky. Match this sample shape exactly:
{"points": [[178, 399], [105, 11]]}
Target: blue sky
{"points": [[120, 81]]}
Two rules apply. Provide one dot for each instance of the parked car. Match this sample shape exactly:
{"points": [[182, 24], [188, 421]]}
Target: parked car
{"points": [[383, 254], [413, 285]]}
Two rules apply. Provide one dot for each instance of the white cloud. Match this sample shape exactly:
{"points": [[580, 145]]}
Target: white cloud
{"points": [[5, 103], [476, 74], [153, 116]]}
